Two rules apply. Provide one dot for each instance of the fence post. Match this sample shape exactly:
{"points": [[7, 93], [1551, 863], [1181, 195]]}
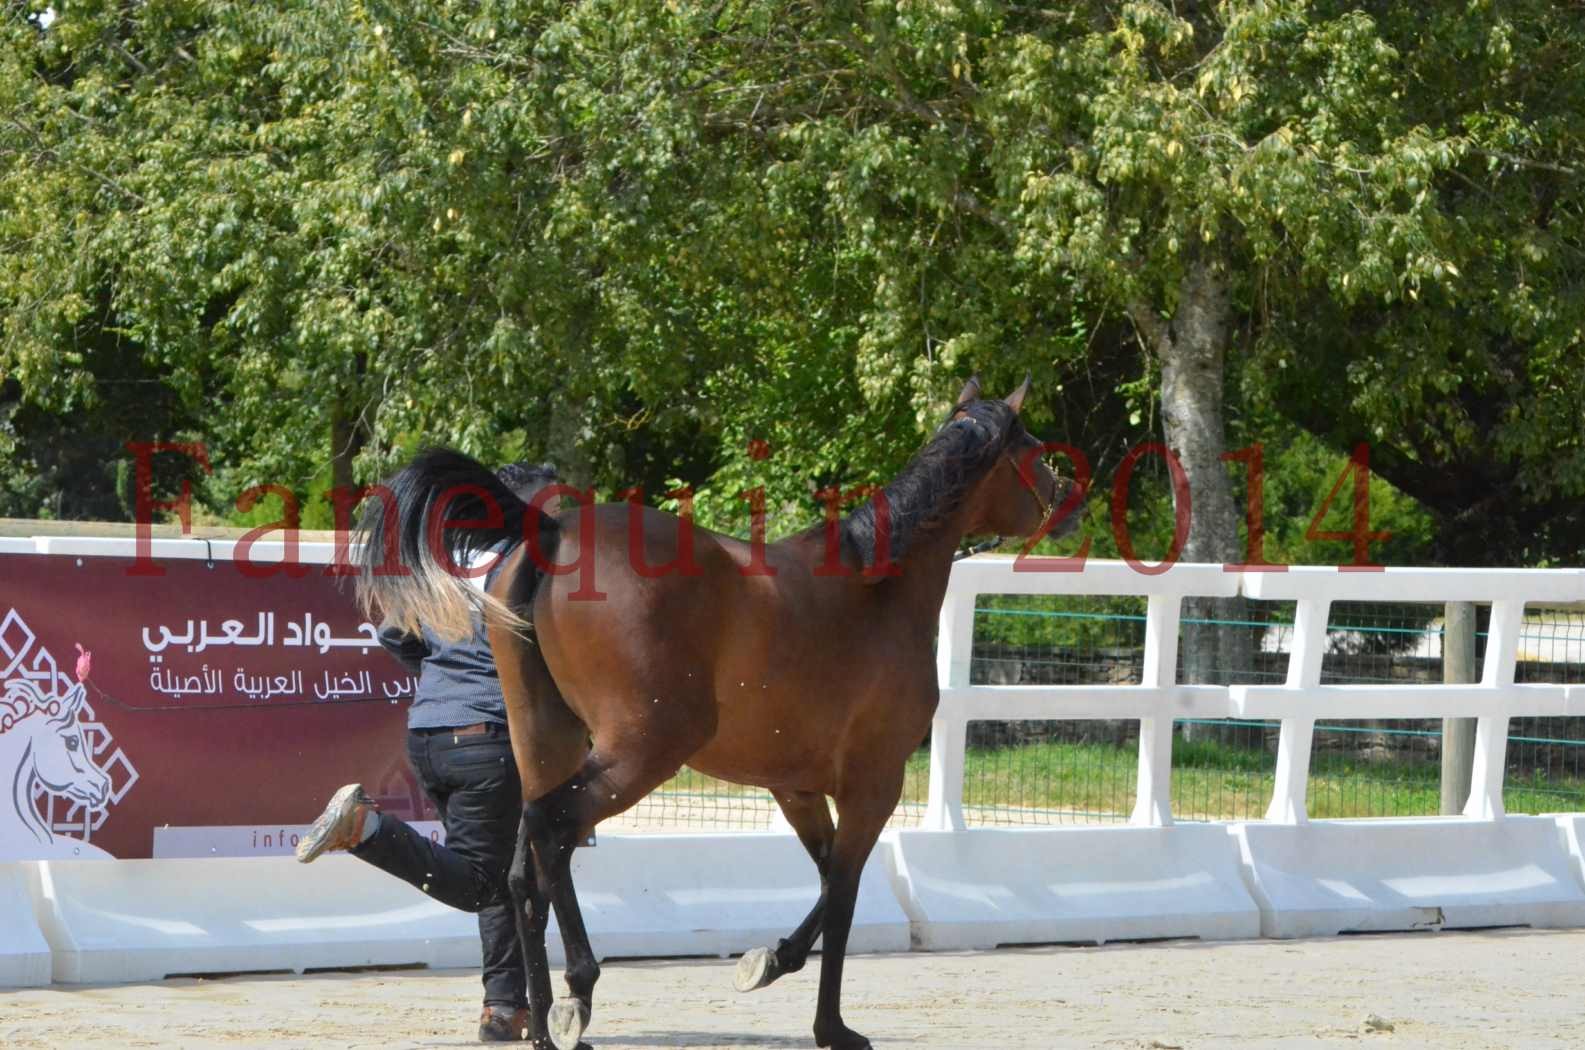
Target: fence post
{"points": [[1458, 734], [1153, 802], [1491, 731], [949, 730], [1292, 780]]}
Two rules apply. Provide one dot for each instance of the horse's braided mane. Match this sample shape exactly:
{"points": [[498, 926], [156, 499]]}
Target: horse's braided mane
{"points": [[934, 483]]}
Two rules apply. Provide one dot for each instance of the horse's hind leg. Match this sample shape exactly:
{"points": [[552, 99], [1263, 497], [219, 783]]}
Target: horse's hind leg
{"points": [[613, 777], [549, 743], [810, 817], [533, 915], [553, 844]]}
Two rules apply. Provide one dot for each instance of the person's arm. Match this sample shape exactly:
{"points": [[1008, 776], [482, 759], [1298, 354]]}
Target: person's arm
{"points": [[408, 648]]}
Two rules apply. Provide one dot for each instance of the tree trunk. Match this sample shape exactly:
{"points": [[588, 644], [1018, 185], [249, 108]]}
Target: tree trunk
{"points": [[568, 441], [1191, 350], [349, 430], [348, 435]]}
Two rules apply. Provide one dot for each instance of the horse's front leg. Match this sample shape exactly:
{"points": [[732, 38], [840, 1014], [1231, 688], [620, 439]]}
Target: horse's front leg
{"points": [[810, 817], [859, 823]]}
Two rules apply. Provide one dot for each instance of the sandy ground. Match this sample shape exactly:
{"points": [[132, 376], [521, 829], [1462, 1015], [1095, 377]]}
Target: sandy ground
{"points": [[1507, 988]]}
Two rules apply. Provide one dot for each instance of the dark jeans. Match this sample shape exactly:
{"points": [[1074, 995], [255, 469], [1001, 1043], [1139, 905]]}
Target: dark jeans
{"points": [[473, 782]]}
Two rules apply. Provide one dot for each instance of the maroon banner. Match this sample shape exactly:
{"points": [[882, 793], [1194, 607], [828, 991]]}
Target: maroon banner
{"points": [[199, 712]]}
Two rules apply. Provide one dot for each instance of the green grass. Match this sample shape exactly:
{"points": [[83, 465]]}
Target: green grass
{"points": [[1080, 783]]}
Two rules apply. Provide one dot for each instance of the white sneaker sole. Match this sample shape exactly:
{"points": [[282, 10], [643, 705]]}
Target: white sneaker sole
{"points": [[316, 841]]}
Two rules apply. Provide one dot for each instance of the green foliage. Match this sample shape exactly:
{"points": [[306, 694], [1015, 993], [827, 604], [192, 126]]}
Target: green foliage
{"points": [[641, 238]]}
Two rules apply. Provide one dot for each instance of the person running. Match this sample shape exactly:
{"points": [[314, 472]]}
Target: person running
{"points": [[458, 745]]}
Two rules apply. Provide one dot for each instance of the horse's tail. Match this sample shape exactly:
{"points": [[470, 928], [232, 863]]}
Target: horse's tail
{"points": [[411, 564]]}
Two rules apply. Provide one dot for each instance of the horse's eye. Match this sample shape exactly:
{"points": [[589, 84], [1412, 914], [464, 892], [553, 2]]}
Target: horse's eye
{"points": [[72, 743]]}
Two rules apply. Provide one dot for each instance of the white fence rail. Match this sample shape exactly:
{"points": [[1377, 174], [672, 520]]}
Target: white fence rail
{"points": [[1160, 699], [956, 886], [1301, 878]]}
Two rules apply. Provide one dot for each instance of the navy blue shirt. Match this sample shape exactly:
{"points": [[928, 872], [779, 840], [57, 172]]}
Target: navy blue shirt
{"points": [[457, 683]]}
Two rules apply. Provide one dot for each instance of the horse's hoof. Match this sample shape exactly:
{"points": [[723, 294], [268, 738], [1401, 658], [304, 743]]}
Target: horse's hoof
{"points": [[568, 1019], [756, 969], [844, 1039]]}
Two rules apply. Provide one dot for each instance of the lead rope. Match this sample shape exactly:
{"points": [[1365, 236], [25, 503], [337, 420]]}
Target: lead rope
{"points": [[978, 548]]}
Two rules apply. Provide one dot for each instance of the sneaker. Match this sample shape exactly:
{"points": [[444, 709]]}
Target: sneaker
{"points": [[340, 826], [502, 1024]]}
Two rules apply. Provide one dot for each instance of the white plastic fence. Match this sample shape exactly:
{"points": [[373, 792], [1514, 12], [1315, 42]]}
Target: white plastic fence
{"points": [[1160, 699], [943, 885], [1284, 876]]}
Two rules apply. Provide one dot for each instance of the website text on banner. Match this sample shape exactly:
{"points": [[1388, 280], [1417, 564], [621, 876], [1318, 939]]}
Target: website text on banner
{"points": [[173, 715]]}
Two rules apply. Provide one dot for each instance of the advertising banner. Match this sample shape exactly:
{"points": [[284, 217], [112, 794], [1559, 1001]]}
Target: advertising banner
{"points": [[198, 712]]}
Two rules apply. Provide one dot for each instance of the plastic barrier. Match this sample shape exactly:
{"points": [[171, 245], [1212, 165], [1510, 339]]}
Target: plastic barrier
{"points": [[642, 895], [24, 953], [1349, 876], [987, 887], [138, 920]]}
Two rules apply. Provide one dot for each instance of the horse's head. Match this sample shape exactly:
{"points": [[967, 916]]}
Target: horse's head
{"points": [[1020, 491], [60, 755]]}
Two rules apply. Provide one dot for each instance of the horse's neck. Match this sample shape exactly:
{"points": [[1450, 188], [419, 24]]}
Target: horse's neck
{"points": [[922, 582], [16, 764], [918, 581]]}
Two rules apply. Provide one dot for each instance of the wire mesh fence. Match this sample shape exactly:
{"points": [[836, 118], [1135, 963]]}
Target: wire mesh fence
{"points": [[1084, 772], [1043, 773]]}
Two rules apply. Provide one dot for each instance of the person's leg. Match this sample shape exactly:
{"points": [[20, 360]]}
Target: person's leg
{"points": [[397, 849], [351, 818], [351, 822], [472, 779], [482, 811]]}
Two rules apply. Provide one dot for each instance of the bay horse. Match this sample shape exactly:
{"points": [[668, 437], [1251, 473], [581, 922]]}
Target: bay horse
{"points": [[629, 643]]}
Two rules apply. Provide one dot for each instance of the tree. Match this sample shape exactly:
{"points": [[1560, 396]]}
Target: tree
{"points": [[1469, 384], [642, 232]]}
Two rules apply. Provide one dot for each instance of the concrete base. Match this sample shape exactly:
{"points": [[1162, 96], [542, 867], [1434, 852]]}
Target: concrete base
{"points": [[138, 920]]}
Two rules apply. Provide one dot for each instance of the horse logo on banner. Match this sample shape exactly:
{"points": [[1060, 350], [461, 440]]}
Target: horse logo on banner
{"points": [[61, 789]]}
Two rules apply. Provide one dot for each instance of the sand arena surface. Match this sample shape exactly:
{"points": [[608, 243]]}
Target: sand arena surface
{"points": [[1490, 989]]}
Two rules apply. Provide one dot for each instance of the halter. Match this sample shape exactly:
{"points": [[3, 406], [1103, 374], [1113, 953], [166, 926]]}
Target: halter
{"points": [[1045, 509], [996, 541]]}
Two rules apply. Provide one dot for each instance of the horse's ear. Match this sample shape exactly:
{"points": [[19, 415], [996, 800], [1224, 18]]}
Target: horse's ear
{"points": [[1016, 398], [971, 392]]}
